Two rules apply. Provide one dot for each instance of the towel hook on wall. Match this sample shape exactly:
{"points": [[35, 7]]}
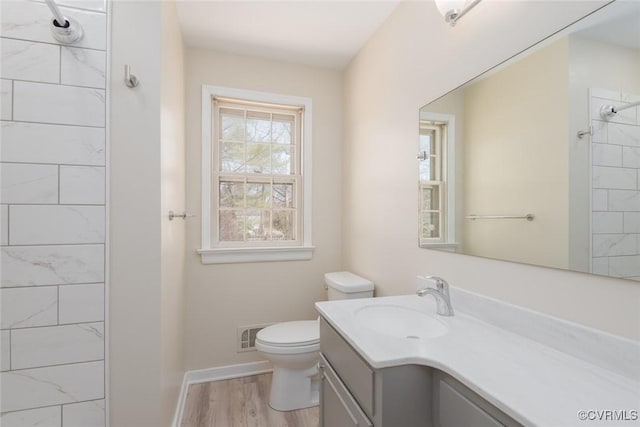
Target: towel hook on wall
{"points": [[129, 79]]}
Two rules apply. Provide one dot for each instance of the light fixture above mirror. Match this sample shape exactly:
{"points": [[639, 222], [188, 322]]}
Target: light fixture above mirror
{"points": [[453, 10]]}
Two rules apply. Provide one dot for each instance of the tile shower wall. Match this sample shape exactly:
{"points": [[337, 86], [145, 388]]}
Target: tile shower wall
{"points": [[52, 217], [616, 187]]}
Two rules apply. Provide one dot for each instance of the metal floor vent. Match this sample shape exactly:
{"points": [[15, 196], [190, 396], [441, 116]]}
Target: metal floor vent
{"points": [[247, 337]]}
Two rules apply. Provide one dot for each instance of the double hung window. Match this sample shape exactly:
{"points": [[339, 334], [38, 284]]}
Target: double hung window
{"points": [[259, 207]]}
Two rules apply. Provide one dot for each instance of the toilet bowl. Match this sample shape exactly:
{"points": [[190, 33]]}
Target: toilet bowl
{"points": [[293, 348]]}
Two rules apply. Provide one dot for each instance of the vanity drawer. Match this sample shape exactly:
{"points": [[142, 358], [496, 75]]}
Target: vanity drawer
{"points": [[338, 408], [357, 376]]}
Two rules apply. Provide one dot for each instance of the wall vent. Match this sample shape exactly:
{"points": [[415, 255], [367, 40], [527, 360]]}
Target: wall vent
{"points": [[247, 337]]}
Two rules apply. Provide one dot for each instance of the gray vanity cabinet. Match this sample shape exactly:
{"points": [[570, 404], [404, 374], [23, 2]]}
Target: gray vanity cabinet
{"points": [[455, 405], [355, 395]]}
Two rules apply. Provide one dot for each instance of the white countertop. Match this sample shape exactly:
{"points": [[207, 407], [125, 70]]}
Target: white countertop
{"points": [[533, 383]]}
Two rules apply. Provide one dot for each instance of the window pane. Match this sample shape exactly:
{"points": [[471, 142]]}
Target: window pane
{"points": [[430, 198], [258, 195], [282, 195], [282, 128], [232, 125], [231, 194], [258, 158], [258, 126], [431, 224], [232, 226], [428, 166], [258, 225], [281, 160], [282, 225], [232, 157]]}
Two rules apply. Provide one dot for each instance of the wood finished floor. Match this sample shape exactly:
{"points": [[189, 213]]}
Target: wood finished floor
{"points": [[240, 402]]}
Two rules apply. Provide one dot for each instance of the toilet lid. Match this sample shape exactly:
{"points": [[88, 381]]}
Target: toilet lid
{"points": [[289, 334]]}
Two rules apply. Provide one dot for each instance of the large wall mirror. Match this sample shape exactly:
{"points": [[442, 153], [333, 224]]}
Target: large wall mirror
{"points": [[538, 160]]}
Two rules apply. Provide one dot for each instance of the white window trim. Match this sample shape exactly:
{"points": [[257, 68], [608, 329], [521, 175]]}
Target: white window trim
{"points": [[211, 255], [450, 120]]}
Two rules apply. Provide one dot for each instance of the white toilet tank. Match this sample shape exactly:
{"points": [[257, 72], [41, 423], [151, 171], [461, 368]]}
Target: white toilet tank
{"points": [[346, 285]]}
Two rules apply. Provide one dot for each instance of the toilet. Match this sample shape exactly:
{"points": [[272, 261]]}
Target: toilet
{"points": [[293, 348]]}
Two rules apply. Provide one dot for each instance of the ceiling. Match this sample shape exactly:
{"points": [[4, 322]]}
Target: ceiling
{"points": [[325, 33]]}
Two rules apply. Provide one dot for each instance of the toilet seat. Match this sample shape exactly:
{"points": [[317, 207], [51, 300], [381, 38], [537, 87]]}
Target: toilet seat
{"points": [[290, 337]]}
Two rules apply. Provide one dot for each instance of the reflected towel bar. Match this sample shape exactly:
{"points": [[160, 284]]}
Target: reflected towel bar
{"points": [[528, 217]]}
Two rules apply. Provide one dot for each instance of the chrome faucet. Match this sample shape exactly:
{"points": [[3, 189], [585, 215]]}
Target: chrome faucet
{"points": [[440, 292]]}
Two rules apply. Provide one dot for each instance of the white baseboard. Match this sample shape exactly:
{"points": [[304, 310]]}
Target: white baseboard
{"points": [[216, 374]]}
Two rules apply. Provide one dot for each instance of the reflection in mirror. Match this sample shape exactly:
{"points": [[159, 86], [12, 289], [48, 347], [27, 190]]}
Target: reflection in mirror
{"points": [[538, 160]]}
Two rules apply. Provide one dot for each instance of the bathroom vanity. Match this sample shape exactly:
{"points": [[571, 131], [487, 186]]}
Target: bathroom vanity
{"points": [[414, 368], [355, 394]]}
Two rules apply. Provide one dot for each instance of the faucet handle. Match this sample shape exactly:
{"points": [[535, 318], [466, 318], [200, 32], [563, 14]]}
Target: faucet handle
{"points": [[441, 284]]}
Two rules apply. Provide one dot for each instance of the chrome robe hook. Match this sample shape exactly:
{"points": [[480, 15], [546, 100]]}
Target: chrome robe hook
{"points": [[129, 79]]}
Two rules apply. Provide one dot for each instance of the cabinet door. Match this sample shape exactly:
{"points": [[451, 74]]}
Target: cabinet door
{"points": [[337, 406], [455, 410]]}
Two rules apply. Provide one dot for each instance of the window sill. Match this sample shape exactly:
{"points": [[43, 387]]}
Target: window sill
{"points": [[449, 247], [268, 254]]}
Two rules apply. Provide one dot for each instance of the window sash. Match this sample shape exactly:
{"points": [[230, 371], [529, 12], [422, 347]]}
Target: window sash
{"points": [[275, 113]]}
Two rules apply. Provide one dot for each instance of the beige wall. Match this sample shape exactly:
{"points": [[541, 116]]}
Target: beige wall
{"points": [[516, 154], [146, 360], [172, 176], [222, 297], [410, 61]]}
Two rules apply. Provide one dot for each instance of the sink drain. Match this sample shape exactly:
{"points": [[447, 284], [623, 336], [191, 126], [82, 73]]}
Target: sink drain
{"points": [[413, 337]]}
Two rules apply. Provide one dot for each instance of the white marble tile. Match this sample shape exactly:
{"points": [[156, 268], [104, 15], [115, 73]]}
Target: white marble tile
{"points": [[625, 266], [5, 361], [27, 20], [40, 417], [67, 105], [631, 222], [24, 60], [81, 303], [6, 99], [97, 5], [599, 128], [85, 414], [607, 155], [600, 266], [83, 67], [631, 157], [4, 225], [607, 222], [606, 94], [56, 144], [623, 200], [627, 116], [28, 183], [624, 135], [82, 185], [51, 265], [615, 178], [614, 245], [56, 224], [600, 200], [57, 345], [53, 385], [28, 307], [629, 97]]}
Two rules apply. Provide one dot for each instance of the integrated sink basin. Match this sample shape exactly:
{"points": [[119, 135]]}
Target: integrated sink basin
{"points": [[400, 322]]}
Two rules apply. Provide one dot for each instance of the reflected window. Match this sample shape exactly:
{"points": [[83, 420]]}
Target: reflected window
{"points": [[433, 201]]}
